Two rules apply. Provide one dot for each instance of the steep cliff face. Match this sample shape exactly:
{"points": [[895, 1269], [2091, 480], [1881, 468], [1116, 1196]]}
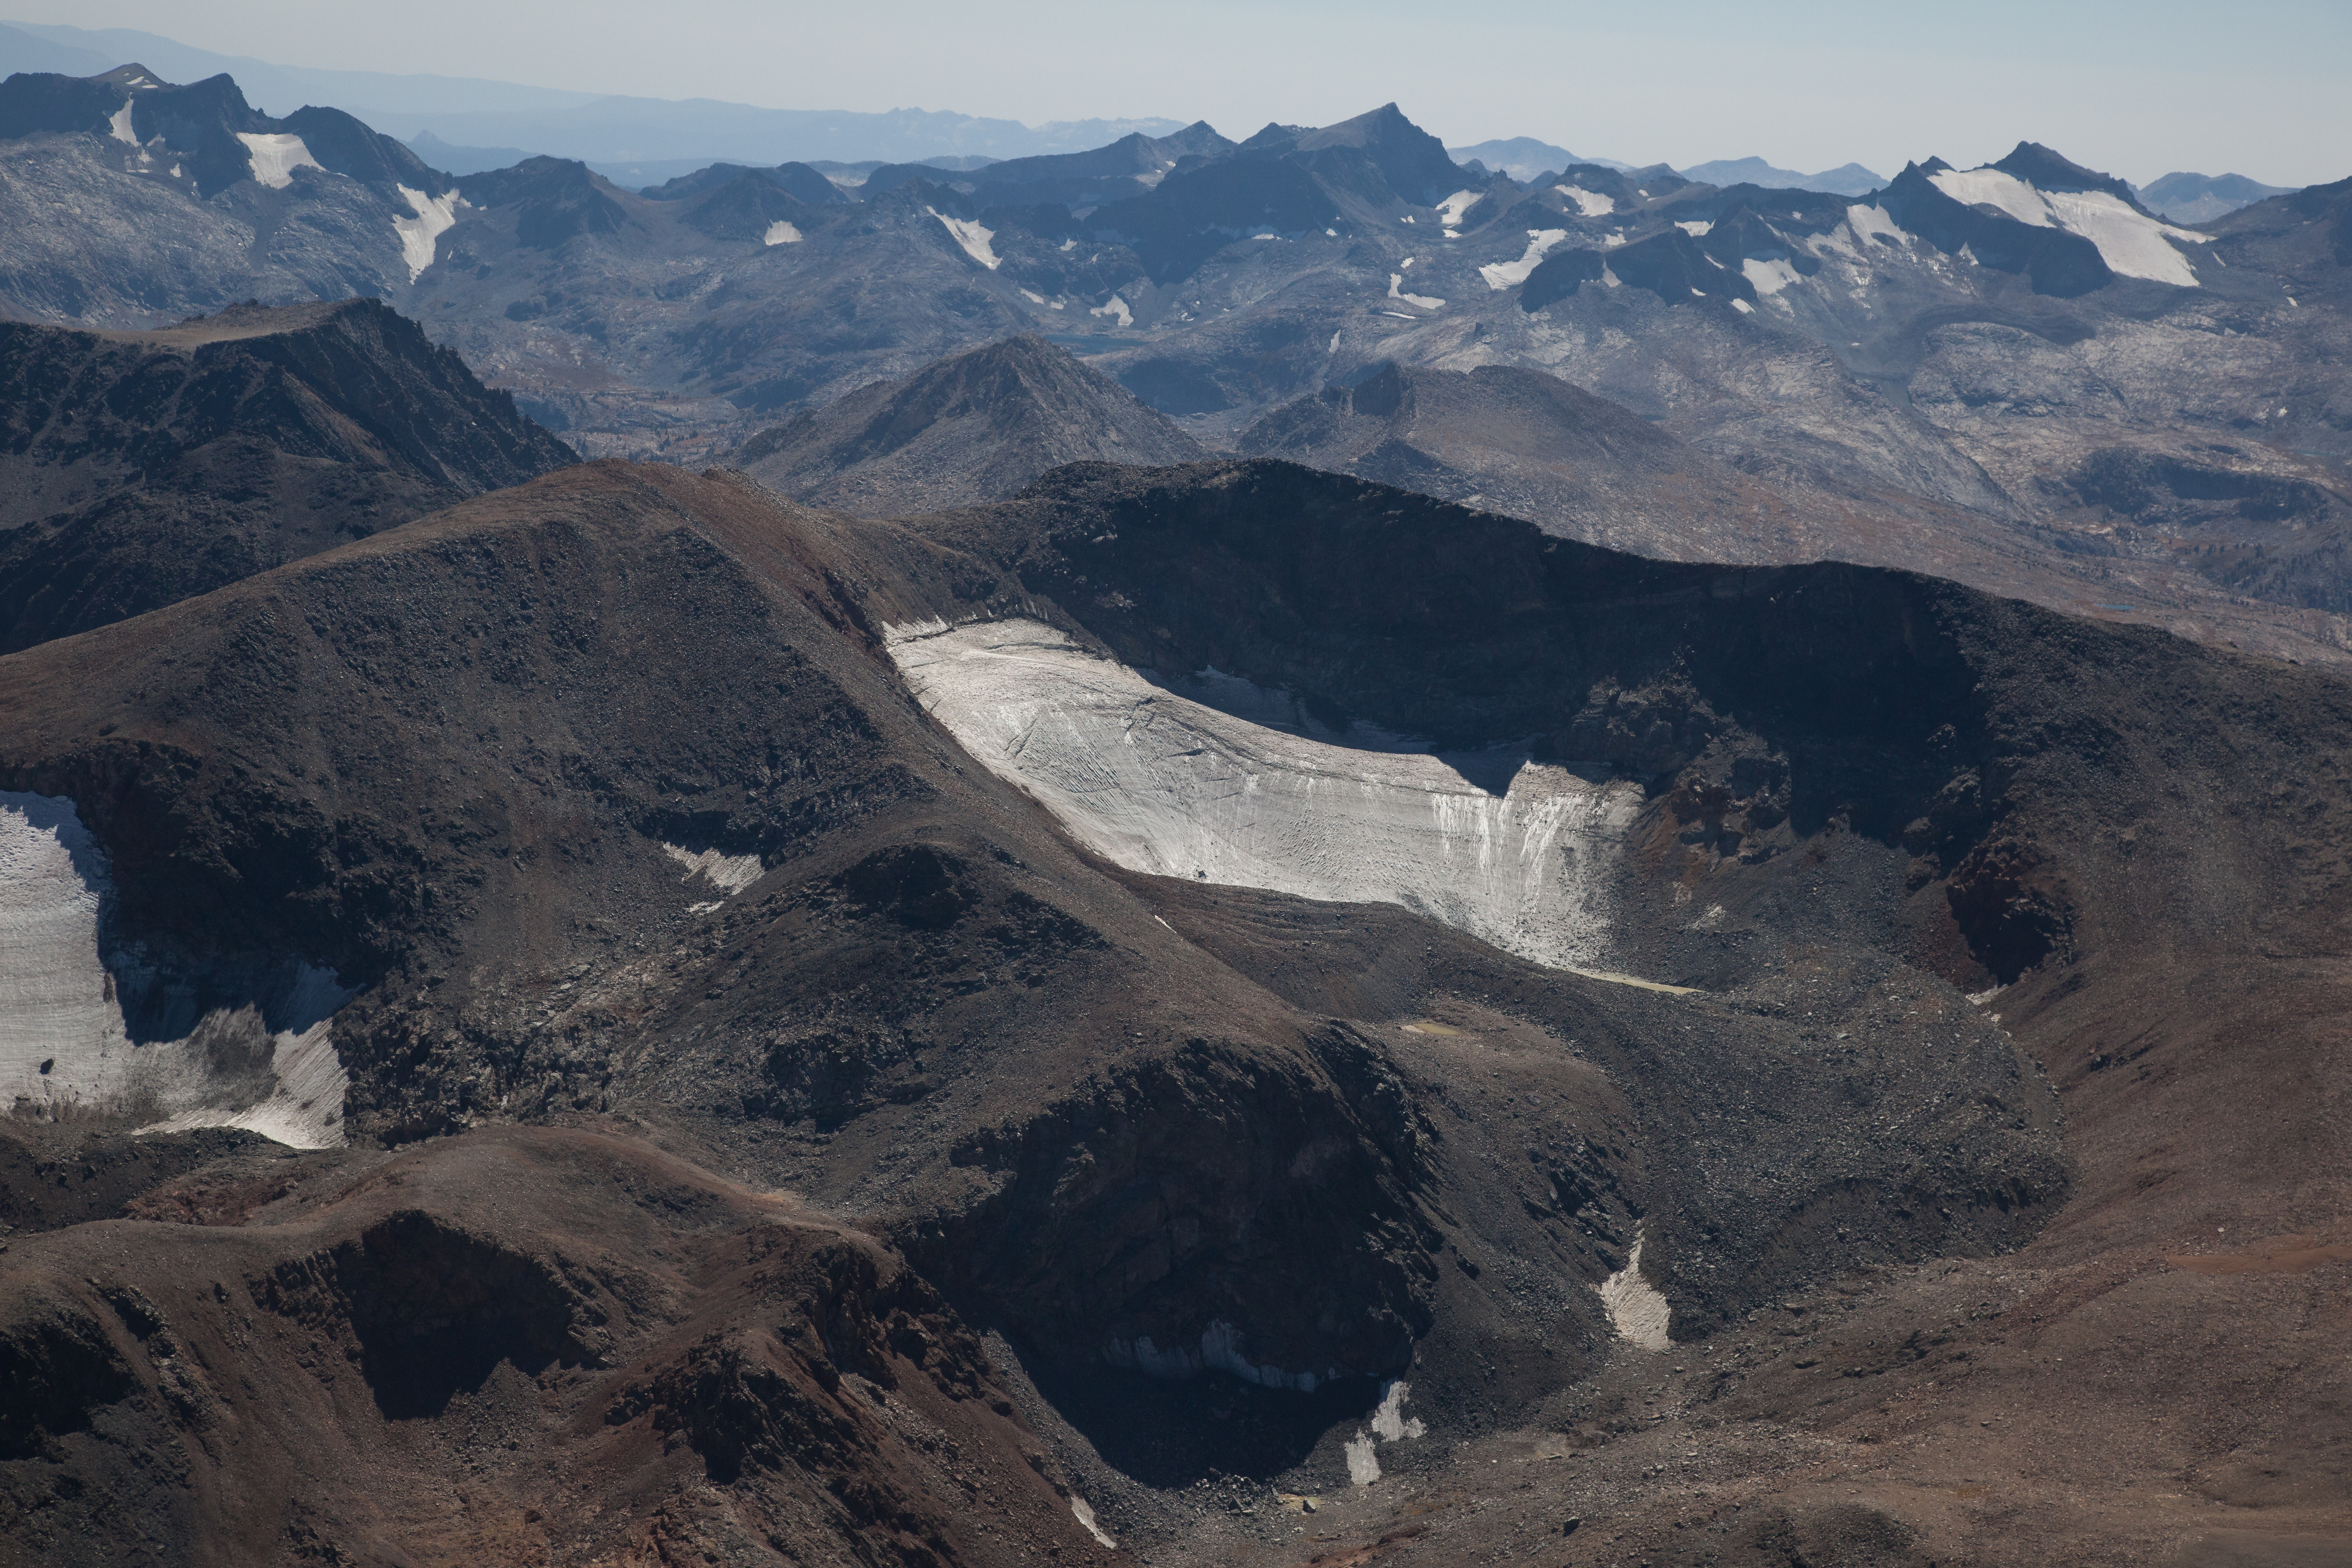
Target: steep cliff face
{"points": [[140, 468]]}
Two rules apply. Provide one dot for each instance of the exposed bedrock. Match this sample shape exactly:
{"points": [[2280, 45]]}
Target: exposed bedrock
{"points": [[1179, 1215], [579, 1317]]}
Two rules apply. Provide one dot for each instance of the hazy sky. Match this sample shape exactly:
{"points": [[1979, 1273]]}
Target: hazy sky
{"points": [[2258, 88]]}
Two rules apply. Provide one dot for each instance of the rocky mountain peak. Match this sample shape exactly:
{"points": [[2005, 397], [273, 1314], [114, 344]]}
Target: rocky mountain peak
{"points": [[976, 426], [2046, 169]]}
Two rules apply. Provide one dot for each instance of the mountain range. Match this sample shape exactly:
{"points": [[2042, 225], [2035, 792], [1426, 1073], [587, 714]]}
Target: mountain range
{"points": [[1953, 365], [1283, 849], [597, 128], [1845, 180], [675, 869]]}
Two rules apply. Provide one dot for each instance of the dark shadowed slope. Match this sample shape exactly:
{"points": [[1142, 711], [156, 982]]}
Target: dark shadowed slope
{"points": [[139, 468], [975, 427]]}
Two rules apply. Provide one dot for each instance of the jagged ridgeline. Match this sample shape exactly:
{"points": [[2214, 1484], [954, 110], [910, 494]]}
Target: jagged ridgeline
{"points": [[1945, 369]]}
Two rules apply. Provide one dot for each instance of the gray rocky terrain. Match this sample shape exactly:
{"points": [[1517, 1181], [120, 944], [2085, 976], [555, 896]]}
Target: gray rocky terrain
{"points": [[1942, 374], [975, 427]]}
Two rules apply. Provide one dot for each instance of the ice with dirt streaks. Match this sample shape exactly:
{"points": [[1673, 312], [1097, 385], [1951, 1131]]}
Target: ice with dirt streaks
{"points": [[1160, 782]]}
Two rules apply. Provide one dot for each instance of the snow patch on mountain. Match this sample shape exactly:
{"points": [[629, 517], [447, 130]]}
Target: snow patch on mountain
{"points": [[1396, 287], [1637, 1308], [1504, 275], [65, 1048], [1158, 782], [1768, 277], [1591, 204], [730, 874], [119, 126], [275, 155], [781, 232], [2129, 241], [1450, 210], [972, 237], [1116, 308], [420, 236]]}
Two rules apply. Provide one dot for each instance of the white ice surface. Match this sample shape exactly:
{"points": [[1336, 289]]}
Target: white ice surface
{"points": [[1363, 1465], [1451, 209], [2130, 242], [57, 1007], [1504, 275], [972, 237], [1160, 783], [1636, 1306], [421, 235], [1115, 307], [1768, 277], [56, 1001], [275, 155], [781, 233], [1696, 229], [1591, 204], [1743, 307], [119, 126], [1874, 222], [1396, 287]]}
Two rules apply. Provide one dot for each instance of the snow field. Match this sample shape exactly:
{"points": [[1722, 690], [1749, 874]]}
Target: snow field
{"points": [[1504, 275], [1161, 784], [2129, 241], [781, 232], [1396, 286], [63, 1045], [972, 237], [420, 236], [275, 157]]}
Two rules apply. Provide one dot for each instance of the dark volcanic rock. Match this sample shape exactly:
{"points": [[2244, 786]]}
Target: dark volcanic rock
{"points": [[973, 428], [145, 468]]}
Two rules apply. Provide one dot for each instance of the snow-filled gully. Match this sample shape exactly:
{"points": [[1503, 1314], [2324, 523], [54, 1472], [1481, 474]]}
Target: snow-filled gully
{"points": [[1157, 781]]}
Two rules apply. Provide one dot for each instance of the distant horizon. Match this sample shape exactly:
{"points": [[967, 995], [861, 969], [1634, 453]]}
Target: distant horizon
{"points": [[2100, 84]]}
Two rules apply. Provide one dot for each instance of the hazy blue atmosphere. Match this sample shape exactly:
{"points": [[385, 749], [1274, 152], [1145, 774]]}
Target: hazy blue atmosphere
{"points": [[2137, 89]]}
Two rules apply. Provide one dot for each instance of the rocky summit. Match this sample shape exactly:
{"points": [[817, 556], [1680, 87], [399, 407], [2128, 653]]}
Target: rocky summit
{"points": [[1278, 848]]}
